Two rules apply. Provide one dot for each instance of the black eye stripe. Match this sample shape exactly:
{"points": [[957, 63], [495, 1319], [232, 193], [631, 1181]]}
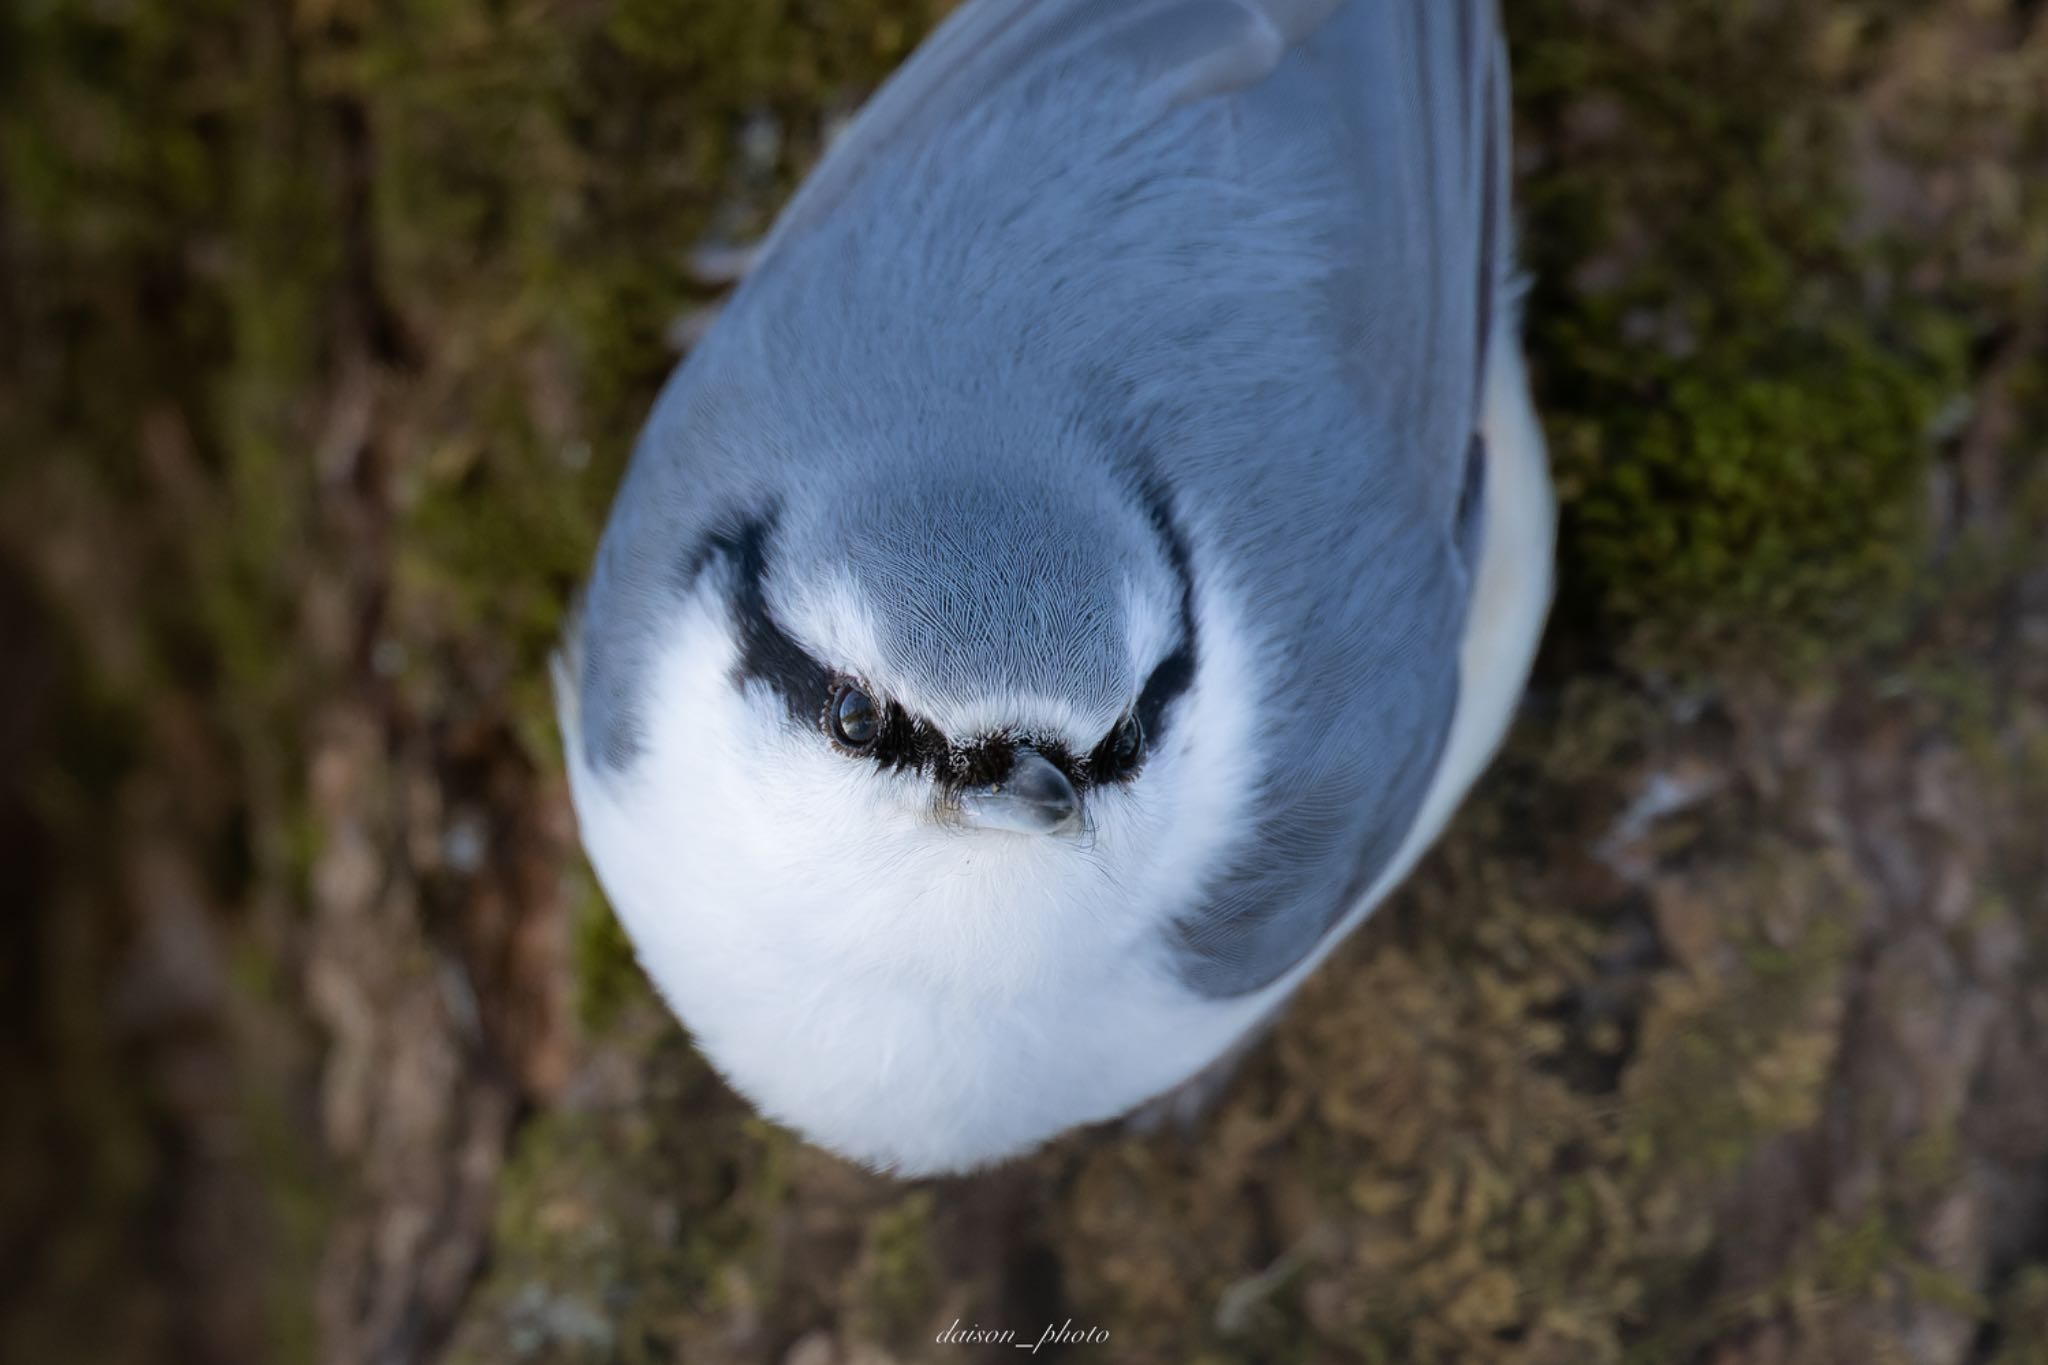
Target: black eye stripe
{"points": [[895, 738], [768, 654], [809, 689], [1168, 681], [1121, 753], [1176, 672]]}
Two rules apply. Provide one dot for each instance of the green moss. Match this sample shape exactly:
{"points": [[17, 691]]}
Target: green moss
{"points": [[1761, 495], [897, 1276], [1740, 414], [645, 1230], [608, 975], [1728, 1059]]}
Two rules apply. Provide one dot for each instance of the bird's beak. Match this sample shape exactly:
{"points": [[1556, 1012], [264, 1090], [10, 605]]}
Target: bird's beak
{"points": [[1032, 798]]}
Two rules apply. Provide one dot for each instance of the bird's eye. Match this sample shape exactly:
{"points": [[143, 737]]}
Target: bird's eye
{"points": [[852, 717], [1126, 743]]}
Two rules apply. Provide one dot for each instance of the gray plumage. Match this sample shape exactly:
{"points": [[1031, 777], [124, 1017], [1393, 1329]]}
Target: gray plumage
{"points": [[1097, 284]]}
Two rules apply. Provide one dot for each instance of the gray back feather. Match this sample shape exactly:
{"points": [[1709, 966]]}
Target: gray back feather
{"points": [[1240, 257]]}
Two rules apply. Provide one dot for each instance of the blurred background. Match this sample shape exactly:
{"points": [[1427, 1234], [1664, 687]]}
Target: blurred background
{"points": [[1716, 1031]]}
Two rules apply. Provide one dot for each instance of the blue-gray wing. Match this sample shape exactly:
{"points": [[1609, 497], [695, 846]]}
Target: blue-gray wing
{"points": [[1406, 102]]}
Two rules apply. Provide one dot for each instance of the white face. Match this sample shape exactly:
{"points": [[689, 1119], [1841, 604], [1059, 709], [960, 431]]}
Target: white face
{"points": [[902, 986]]}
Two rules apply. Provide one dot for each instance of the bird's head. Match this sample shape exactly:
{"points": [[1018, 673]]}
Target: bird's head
{"points": [[978, 659], [944, 733]]}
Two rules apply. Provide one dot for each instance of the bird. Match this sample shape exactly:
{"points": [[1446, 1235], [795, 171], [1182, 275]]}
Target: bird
{"points": [[1079, 572]]}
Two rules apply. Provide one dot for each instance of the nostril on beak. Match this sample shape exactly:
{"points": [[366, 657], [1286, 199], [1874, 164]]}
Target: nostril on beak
{"points": [[1034, 797]]}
